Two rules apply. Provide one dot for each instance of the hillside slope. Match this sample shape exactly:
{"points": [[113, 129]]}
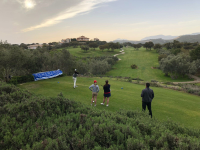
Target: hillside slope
{"points": [[144, 60]]}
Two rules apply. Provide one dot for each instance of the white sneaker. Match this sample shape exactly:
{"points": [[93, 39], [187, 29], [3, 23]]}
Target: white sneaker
{"points": [[102, 103], [106, 105], [95, 105], [93, 101]]}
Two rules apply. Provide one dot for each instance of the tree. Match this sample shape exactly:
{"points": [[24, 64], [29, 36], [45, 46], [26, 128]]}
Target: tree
{"points": [[24, 46], [175, 65], [93, 45], [195, 54], [102, 47], [168, 45], [11, 60], [73, 39], [157, 46], [107, 46], [146, 45], [114, 46], [85, 48], [150, 45], [74, 44]]}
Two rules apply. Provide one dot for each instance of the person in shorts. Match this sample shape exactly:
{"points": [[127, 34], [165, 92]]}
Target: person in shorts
{"points": [[107, 93], [95, 90]]}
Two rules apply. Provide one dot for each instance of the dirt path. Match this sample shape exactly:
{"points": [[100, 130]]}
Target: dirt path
{"points": [[197, 80], [121, 52]]}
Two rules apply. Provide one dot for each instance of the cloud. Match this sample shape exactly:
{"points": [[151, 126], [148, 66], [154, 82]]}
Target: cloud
{"points": [[84, 7]]}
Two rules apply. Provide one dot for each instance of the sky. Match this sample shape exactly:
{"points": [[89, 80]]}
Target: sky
{"points": [[44, 21]]}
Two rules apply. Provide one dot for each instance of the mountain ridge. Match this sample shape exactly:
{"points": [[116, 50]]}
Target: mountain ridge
{"points": [[194, 37]]}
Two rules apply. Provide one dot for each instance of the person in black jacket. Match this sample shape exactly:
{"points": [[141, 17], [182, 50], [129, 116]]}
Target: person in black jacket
{"points": [[107, 93], [147, 97], [75, 78]]}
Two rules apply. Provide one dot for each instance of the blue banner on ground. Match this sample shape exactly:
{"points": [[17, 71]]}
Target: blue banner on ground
{"points": [[47, 75]]}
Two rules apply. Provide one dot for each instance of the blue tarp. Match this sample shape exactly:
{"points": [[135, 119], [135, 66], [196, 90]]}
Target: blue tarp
{"points": [[47, 75]]}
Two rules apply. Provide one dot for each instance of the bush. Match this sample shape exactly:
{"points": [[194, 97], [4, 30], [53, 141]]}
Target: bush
{"points": [[134, 66], [99, 67], [175, 51], [161, 57], [21, 79]]}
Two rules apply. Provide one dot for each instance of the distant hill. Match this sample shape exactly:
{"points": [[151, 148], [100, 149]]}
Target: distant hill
{"points": [[189, 38], [164, 37], [194, 37]]}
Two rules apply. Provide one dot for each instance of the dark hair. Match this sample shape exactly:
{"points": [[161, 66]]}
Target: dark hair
{"points": [[106, 83], [148, 84]]}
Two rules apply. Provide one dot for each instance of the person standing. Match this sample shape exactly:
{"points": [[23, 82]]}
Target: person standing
{"points": [[95, 89], [147, 97], [107, 93], [75, 78]]}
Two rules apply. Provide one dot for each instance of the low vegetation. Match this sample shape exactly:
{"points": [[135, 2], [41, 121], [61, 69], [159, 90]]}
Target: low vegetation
{"points": [[33, 122], [134, 66]]}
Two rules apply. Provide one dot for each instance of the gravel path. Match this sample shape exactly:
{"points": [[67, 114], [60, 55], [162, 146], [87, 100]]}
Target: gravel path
{"points": [[121, 52], [197, 80]]}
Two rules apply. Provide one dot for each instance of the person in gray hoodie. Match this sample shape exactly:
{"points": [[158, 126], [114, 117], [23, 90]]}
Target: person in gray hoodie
{"points": [[95, 90]]}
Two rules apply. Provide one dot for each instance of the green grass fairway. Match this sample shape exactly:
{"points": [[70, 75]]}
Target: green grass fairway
{"points": [[144, 60], [179, 106], [90, 53]]}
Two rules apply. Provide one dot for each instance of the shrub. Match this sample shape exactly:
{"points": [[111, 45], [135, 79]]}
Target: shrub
{"points": [[129, 79], [134, 66], [161, 57], [21, 79]]}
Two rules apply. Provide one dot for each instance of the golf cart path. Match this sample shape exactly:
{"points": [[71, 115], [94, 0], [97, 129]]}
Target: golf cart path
{"points": [[197, 80], [121, 52]]}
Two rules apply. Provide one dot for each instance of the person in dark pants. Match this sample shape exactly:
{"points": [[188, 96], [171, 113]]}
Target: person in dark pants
{"points": [[147, 97]]}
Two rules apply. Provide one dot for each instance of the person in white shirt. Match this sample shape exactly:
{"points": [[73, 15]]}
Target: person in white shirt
{"points": [[75, 78]]}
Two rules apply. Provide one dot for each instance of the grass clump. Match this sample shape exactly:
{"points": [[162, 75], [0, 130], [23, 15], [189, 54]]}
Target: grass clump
{"points": [[134, 66]]}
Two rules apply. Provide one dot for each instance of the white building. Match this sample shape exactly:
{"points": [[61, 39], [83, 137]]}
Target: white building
{"points": [[34, 46], [82, 38], [96, 39], [66, 40]]}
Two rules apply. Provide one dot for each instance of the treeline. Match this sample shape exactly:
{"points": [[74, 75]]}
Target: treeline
{"points": [[171, 45], [83, 45], [16, 61], [31, 122]]}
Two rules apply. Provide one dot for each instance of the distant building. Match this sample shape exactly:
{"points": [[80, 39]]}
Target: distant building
{"points": [[96, 39], [34, 46], [66, 40], [83, 38]]}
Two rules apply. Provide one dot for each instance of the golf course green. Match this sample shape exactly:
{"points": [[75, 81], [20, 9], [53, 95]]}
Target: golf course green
{"points": [[178, 106], [145, 60]]}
